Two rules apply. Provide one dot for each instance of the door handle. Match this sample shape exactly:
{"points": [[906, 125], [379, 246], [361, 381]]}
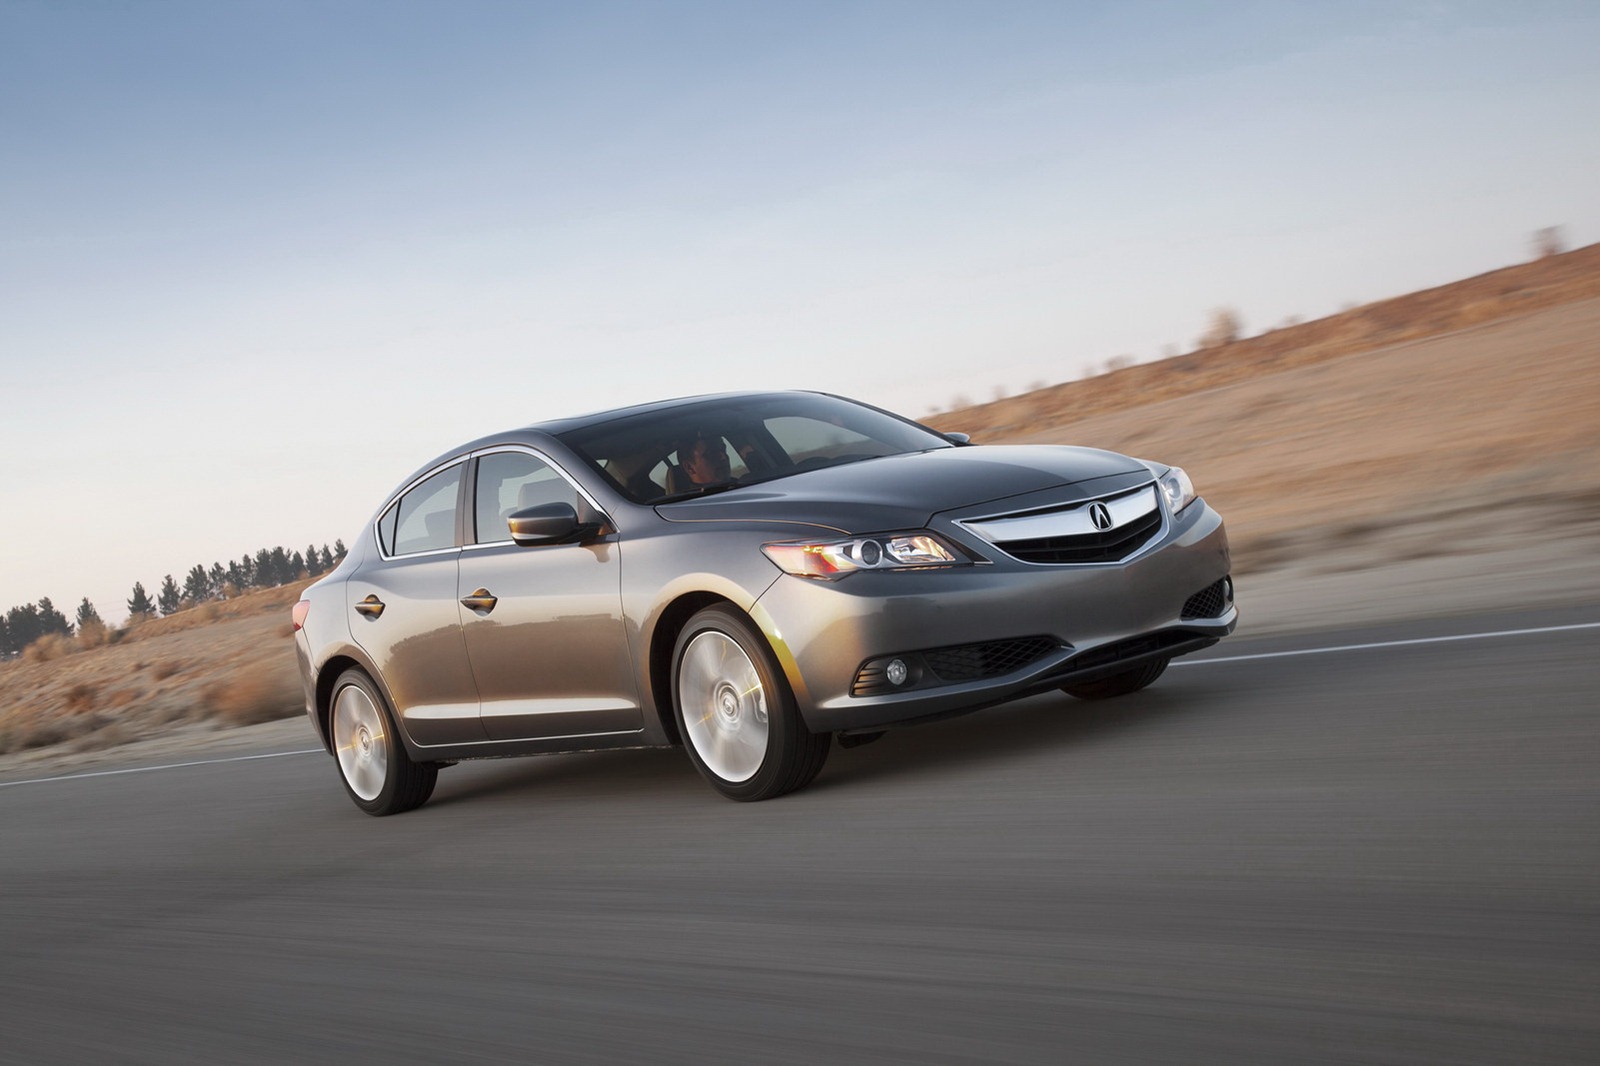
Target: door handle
{"points": [[372, 607], [481, 600]]}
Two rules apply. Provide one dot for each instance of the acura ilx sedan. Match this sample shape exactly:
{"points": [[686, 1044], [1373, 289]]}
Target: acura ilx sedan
{"points": [[748, 576]]}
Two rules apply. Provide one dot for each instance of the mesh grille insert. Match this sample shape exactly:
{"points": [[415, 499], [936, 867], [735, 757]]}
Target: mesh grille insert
{"points": [[1209, 602], [968, 662]]}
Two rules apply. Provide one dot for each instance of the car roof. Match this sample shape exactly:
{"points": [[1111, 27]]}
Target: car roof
{"points": [[595, 418], [538, 432]]}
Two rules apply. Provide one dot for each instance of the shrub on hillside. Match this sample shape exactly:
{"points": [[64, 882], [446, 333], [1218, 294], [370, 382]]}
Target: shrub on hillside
{"points": [[261, 690], [1224, 327], [46, 648]]}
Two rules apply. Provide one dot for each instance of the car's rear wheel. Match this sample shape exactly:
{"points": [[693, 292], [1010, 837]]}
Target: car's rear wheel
{"points": [[377, 773], [735, 712], [1121, 684]]}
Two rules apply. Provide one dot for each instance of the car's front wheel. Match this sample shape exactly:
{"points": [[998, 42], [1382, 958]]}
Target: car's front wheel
{"points": [[735, 711], [1118, 684], [377, 773]]}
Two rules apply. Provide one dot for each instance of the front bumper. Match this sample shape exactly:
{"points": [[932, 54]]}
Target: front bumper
{"points": [[1103, 618]]}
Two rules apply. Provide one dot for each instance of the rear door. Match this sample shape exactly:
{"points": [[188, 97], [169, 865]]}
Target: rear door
{"points": [[406, 614]]}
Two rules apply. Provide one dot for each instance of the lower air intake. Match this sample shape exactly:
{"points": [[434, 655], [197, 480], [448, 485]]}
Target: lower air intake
{"points": [[1210, 602], [970, 662]]}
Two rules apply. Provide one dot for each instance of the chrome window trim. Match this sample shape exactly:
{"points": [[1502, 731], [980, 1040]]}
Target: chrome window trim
{"points": [[543, 457], [394, 501]]}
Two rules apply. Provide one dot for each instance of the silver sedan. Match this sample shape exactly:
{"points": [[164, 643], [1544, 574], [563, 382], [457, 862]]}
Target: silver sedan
{"points": [[747, 576]]}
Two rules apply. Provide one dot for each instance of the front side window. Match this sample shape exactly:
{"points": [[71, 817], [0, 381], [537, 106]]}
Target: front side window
{"points": [[425, 517], [513, 481]]}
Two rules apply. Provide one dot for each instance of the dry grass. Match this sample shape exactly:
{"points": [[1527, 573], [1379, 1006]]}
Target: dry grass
{"points": [[230, 663], [258, 691], [46, 648]]}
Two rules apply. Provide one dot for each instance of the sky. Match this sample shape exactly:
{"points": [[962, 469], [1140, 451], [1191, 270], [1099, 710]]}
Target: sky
{"points": [[259, 261]]}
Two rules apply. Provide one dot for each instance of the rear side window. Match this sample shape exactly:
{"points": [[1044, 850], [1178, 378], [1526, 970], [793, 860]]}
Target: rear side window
{"points": [[510, 482], [425, 517]]}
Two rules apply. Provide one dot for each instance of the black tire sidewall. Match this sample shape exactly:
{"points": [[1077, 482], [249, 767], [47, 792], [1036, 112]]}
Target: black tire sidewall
{"points": [[404, 779], [786, 735]]}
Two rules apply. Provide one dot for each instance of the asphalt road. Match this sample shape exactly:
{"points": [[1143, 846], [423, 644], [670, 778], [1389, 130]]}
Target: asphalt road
{"points": [[1374, 855]]}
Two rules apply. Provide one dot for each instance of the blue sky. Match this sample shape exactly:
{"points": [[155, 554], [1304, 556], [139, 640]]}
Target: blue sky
{"points": [[260, 260]]}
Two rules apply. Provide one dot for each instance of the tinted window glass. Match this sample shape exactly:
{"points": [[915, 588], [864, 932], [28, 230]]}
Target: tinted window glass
{"points": [[512, 481], [766, 437], [427, 514], [811, 440]]}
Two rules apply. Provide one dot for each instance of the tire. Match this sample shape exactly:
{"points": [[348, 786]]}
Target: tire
{"points": [[373, 765], [735, 712], [1121, 684]]}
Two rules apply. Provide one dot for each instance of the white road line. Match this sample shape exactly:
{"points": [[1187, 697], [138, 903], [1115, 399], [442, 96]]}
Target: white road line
{"points": [[1387, 644], [166, 766], [1179, 662]]}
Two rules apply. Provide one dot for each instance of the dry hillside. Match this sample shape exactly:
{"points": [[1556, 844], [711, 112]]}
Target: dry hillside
{"points": [[1453, 420], [228, 663]]}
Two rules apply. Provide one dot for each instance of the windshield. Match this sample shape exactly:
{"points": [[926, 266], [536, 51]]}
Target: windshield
{"points": [[721, 444]]}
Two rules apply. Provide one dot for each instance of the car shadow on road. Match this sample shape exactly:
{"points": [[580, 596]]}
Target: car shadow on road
{"points": [[997, 734], [585, 775], [1010, 731]]}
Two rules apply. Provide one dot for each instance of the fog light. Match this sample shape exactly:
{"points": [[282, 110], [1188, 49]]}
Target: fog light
{"points": [[1227, 593], [896, 672]]}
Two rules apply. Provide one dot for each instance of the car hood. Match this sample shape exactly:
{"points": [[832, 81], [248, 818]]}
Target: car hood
{"points": [[905, 491]]}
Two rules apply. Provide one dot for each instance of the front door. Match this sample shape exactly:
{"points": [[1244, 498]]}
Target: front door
{"points": [[550, 652]]}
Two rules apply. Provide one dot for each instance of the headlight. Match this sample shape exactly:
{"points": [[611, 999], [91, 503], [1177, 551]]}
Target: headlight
{"points": [[890, 551], [1177, 488]]}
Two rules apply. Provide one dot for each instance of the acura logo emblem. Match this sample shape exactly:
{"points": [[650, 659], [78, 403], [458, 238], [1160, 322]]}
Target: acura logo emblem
{"points": [[1100, 515]]}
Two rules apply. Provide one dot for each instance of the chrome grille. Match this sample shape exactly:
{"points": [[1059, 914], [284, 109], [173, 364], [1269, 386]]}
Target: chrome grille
{"points": [[1068, 534]]}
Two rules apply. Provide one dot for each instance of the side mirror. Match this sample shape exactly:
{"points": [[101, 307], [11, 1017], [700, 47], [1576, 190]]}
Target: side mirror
{"points": [[958, 439], [548, 523]]}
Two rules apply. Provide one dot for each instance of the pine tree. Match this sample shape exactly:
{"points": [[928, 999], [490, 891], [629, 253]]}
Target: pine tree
{"points": [[6, 650], [23, 625], [282, 572], [139, 605], [266, 573], [313, 561], [247, 572], [338, 549], [52, 620], [168, 599], [327, 558], [218, 576], [197, 586], [87, 615]]}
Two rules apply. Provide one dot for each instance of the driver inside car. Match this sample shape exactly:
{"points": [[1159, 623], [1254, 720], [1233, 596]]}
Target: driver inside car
{"points": [[704, 460]]}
